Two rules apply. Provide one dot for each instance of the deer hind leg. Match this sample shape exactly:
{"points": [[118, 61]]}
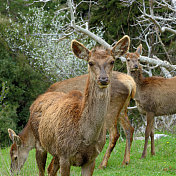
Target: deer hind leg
{"points": [[53, 167], [129, 130], [149, 132], [87, 170], [41, 156], [152, 141], [114, 135]]}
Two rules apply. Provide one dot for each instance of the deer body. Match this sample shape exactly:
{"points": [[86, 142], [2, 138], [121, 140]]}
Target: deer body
{"points": [[87, 135], [160, 94], [123, 89], [72, 128], [155, 96]]}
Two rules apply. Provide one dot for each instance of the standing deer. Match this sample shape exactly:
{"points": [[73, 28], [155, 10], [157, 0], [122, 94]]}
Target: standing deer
{"points": [[155, 96], [123, 88], [72, 127]]}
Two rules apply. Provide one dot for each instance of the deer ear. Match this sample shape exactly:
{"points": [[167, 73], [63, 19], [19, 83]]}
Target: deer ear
{"points": [[121, 47], [15, 138], [80, 50], [139, 49]]}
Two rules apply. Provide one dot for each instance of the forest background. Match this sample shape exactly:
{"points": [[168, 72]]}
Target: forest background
{"points": [[35, 52]]}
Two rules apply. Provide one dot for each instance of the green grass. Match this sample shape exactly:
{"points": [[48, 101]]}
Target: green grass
{"points": [[163, 163]]}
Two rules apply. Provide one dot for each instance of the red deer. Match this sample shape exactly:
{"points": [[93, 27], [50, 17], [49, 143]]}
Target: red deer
{"points": [[155, 96], [22, 144], [123, 87], [71, 127]]}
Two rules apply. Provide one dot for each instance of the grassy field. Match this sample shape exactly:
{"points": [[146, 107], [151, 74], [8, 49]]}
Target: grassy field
{"points": [[163, 163]]}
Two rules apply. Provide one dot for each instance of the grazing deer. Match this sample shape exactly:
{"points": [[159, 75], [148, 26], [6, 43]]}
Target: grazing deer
{"points": [[155, 96], [71, 127], [22, 144]]}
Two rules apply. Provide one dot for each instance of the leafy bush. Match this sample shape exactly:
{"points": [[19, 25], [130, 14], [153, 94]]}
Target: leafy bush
{"points": [[19, 86]]}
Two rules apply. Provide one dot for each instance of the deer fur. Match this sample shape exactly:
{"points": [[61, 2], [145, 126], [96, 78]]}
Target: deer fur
{"points": [[123, 87], [72, 128], [155, 96]]}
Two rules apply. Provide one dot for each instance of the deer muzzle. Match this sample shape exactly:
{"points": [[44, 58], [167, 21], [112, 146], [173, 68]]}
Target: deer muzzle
{"points": [[103, 81]]}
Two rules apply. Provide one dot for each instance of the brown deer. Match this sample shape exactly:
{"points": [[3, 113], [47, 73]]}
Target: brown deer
{"points": [[155, 96], [122, 43], [123, 87], [22, 144], [71, 127]]}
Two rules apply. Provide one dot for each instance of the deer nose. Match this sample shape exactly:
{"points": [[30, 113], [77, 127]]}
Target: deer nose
{"points": [[136, 66], [103, 80]]}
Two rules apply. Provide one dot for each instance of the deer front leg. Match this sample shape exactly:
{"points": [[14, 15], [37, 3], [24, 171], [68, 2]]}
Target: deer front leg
{"points": [[41, 156], [53, 167], [148, 132], [64, 166], [113, 137], [129, 130], [87, 170]]}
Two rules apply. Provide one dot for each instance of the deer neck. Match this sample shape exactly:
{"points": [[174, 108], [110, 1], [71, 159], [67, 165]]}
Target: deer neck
{"points": [[138, 78], [27, 137], [94, 110]]}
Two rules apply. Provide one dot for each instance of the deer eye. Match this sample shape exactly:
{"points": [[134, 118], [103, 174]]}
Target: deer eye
{"points": [[112, 62], [91, 64], [15, 158]]}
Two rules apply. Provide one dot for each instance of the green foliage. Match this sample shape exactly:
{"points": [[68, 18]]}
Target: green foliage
{"points": [[19, 86], [115, 19]]}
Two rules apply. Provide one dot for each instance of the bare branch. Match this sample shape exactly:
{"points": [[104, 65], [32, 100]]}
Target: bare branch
{"points": [[162, 44], [85, 31], [154, 61], [163, 3], [163, 29], [166, 72]]}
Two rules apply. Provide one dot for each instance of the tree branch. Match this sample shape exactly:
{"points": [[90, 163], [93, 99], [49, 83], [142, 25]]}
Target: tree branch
{"points": [[163, 29], [85, 31], [154, 61]]}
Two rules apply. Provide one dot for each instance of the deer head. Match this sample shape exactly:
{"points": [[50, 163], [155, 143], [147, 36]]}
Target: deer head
{"points": [[132, 60], [101, 61], [18, 152]]}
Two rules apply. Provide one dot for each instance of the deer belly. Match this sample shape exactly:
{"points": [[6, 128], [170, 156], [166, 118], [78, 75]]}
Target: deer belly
{"points": [[85, 156], [166, 109]]}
